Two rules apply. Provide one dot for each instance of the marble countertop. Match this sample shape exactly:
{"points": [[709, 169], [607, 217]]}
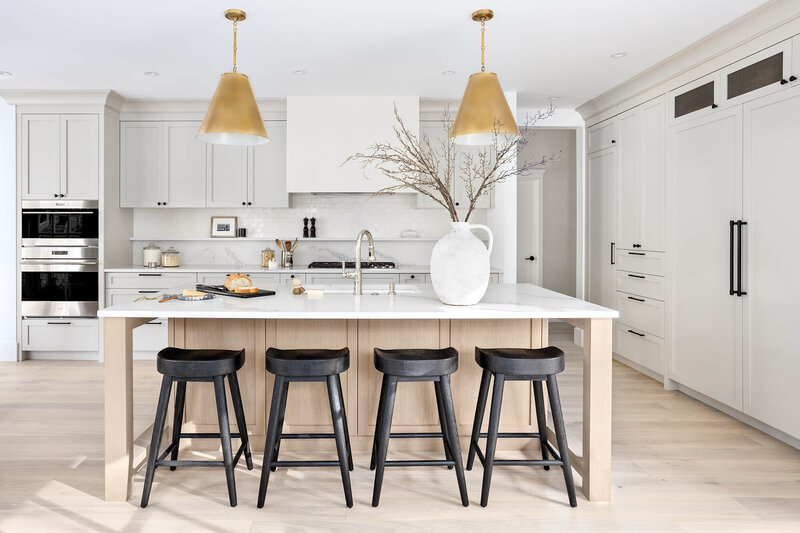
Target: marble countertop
{"points": [[253, 269], [500, 302]]}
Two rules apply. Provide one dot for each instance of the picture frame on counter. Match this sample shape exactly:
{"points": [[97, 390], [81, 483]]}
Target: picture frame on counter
{"points": [[224, 227]]}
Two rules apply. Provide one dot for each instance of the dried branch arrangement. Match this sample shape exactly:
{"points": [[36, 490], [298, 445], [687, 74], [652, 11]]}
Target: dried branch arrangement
{"points": [[430, 167]]}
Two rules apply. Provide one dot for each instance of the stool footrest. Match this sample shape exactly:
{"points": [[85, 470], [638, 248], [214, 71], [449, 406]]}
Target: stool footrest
{"points": [[421, 462], [160, 460], [306, 436], [556, 461], [415, 435], [207, 435], [514, 435], [298, 464]]}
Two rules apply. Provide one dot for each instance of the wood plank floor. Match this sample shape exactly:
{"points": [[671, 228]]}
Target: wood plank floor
{"points": [[678, 465]]}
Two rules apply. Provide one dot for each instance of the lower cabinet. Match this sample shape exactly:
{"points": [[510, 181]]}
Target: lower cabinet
{"points": [[639, 347], [60, 334]]}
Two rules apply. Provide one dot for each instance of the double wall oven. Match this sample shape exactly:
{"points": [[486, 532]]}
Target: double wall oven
{"points": [[59, 258]]}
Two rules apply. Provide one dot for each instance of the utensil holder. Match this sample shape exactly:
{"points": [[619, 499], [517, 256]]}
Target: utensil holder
{"points": [[286, 259]]}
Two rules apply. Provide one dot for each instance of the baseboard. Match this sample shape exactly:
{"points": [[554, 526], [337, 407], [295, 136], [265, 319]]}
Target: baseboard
{"points": [[741, 417], [8, 351], [61, 356], [639, 368]]}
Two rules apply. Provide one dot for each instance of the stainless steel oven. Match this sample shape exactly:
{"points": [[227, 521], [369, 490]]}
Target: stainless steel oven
{"points": [[60, 223], [58, 288]]}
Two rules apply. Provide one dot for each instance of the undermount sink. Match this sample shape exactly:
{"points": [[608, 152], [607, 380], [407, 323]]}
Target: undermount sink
{"points": [[366, 289]]}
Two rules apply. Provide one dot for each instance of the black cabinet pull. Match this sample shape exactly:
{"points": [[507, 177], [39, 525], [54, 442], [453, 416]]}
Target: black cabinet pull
{"points": [[153, 324], [792, 78], [147, 292], [739, 291], [636, 276], [784, 82], [149, 275], [613, 254], [636, 299], [714, 106], [59, 323], [636, 253], [530, 258], [636, 333], [731, 223]]}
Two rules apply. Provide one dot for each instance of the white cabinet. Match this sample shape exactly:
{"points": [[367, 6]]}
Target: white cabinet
{"points": [[415, 279], [706, 173], [602, 176], [695, 99], [60, 156], [602, 135], [771, 313], [255, 176], [642, 177], [758, 75], [185, 167], [148, 280], [60, 334], [642, 348], [141, 161], [287, 279]]}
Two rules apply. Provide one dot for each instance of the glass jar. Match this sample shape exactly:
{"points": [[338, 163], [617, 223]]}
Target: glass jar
{"points": [[267, 254], [171, 257]]}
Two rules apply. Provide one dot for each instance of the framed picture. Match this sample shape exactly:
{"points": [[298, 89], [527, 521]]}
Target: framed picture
{"points": [[223, 227]]}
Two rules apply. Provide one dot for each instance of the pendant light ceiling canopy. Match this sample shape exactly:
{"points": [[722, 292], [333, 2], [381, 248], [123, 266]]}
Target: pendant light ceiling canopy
{"points": [[233, 116], [483, 114]]}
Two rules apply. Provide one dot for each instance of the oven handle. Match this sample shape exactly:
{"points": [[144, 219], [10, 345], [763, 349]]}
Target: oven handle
{"points": [[24, 212], [30, 265]]}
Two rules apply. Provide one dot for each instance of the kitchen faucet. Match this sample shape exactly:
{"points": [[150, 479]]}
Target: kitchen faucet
{"points": [[357, 275]]}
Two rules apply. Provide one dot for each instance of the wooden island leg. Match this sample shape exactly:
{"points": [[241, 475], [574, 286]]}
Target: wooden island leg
{"points": [[596, 467], [118, 403]]}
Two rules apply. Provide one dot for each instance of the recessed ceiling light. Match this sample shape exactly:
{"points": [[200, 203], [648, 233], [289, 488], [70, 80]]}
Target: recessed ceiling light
{"points": [[151, 73], [298, 72], [618, 55], [448, 72], [5, 73], [552, 98]]}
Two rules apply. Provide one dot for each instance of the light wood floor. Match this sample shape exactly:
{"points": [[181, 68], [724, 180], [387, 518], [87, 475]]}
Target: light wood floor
{"points": [[678, 465]]}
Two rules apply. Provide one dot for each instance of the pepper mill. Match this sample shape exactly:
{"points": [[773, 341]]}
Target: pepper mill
{"points": [[305, 228], [313, 227]]}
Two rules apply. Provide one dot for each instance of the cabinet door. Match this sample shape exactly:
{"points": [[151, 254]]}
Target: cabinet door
{"points": [[706, 173], [602, 179], [602, 135], [227, 180], [460, 187], [771, 316], [435, 133], [629, 178], [141, 164], [695, 99], [80, 157], [41, 156], [267, 169], [186, 165], [758, 75], [652, 176]]}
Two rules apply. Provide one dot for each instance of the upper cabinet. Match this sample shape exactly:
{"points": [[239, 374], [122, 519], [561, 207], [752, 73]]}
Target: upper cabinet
{"points": [[436, 134], [760, 74], [163, 164], [323, 131], [695, 99], [601, 136], [60, 156]]}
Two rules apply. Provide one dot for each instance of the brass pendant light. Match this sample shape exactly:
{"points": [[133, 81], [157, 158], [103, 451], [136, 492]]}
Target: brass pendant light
{"points": [[233, 116], [483, 114]]}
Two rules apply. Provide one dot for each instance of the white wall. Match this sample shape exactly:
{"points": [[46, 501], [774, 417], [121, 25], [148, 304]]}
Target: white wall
{"points": [[8, 232], [559, 207]]}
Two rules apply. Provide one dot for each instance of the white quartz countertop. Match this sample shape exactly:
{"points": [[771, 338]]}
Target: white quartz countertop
{"points": [[253, 269], [500, 301]]}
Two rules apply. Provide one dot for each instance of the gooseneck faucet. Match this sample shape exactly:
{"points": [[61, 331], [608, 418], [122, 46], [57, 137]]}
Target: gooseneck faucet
{"points": [[357, 275]]}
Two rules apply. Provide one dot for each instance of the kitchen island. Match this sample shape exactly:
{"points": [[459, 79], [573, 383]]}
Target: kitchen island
{"points": [[508, 316]]}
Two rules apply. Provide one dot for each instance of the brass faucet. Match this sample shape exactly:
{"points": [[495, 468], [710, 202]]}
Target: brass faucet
{"points": [[357, 276]]}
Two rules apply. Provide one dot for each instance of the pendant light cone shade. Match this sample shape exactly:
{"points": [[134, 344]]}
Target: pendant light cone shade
{"points": [[233, 116], [483, 113]]}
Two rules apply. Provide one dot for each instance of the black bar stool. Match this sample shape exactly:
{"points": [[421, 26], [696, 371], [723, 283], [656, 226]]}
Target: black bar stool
{"points": [[307, 365], [520, 364], [416, 365], [180, 366]]}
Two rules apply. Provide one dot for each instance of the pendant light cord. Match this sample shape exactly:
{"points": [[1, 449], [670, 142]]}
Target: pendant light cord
{"points": [[234, 45], [483, 45]]}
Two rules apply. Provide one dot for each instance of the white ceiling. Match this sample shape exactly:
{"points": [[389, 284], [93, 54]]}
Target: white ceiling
{"points": [[347, 47]]}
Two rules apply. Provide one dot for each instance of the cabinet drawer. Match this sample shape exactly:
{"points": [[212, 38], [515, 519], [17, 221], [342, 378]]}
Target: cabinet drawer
{"points": [[289, 278], [602, 136], [146, 280], [60, 335], [327, 279], [640, 347], [406, 279], [126, 296], [643, 314], [261, 280], [641, 284], [643, 262], [151, 337]]}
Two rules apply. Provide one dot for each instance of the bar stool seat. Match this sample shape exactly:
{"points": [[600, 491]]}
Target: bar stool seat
{"points": [[307, 363], [416, 363], [521, 361], [178, 362]]}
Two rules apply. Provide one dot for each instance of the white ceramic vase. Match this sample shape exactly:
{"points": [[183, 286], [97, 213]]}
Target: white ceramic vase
{"points": [[460, 265]]}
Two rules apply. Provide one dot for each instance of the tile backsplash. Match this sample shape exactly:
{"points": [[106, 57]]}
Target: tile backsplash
{"points": [[338, 216]]}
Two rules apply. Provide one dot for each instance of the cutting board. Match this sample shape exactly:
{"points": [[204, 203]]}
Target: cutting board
{"points": [[221, 290]]}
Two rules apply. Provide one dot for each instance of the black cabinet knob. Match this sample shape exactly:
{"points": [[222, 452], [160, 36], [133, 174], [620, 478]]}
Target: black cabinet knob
{"points": [[412, 276], [249, 203], [292, 276], [159, 203], [714, 106], [613, 141], [244, 203], [792, 78], [62, 195], [784, 82], [530, 258], [55, 195], [163, 203], [457, 204]]}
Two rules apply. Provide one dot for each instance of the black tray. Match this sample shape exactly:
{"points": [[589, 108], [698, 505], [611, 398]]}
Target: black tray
{"points": [[220, 289]]}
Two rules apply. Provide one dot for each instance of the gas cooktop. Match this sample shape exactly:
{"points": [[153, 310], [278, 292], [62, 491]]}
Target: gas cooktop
{"points": [[352, 264]]}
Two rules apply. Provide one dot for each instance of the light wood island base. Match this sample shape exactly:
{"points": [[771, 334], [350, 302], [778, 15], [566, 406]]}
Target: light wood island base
{"points": [[307, 404]]}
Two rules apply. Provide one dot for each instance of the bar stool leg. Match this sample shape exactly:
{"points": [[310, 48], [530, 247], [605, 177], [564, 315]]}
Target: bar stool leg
{"points": [[177, 419], [381, 402], [281, 418], [541, 418], [478, 422], [238, 410], [383, 437], [448, 454], [561, 437], [491, 441], [272, 428], [452, 433], [155, 441], [346, 428], [225, 436], [338, 418]]}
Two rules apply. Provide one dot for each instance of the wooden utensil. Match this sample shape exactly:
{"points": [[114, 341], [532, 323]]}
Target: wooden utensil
{"points": [[161, 301], [294, 245], [279, 243], [288, 246]]}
